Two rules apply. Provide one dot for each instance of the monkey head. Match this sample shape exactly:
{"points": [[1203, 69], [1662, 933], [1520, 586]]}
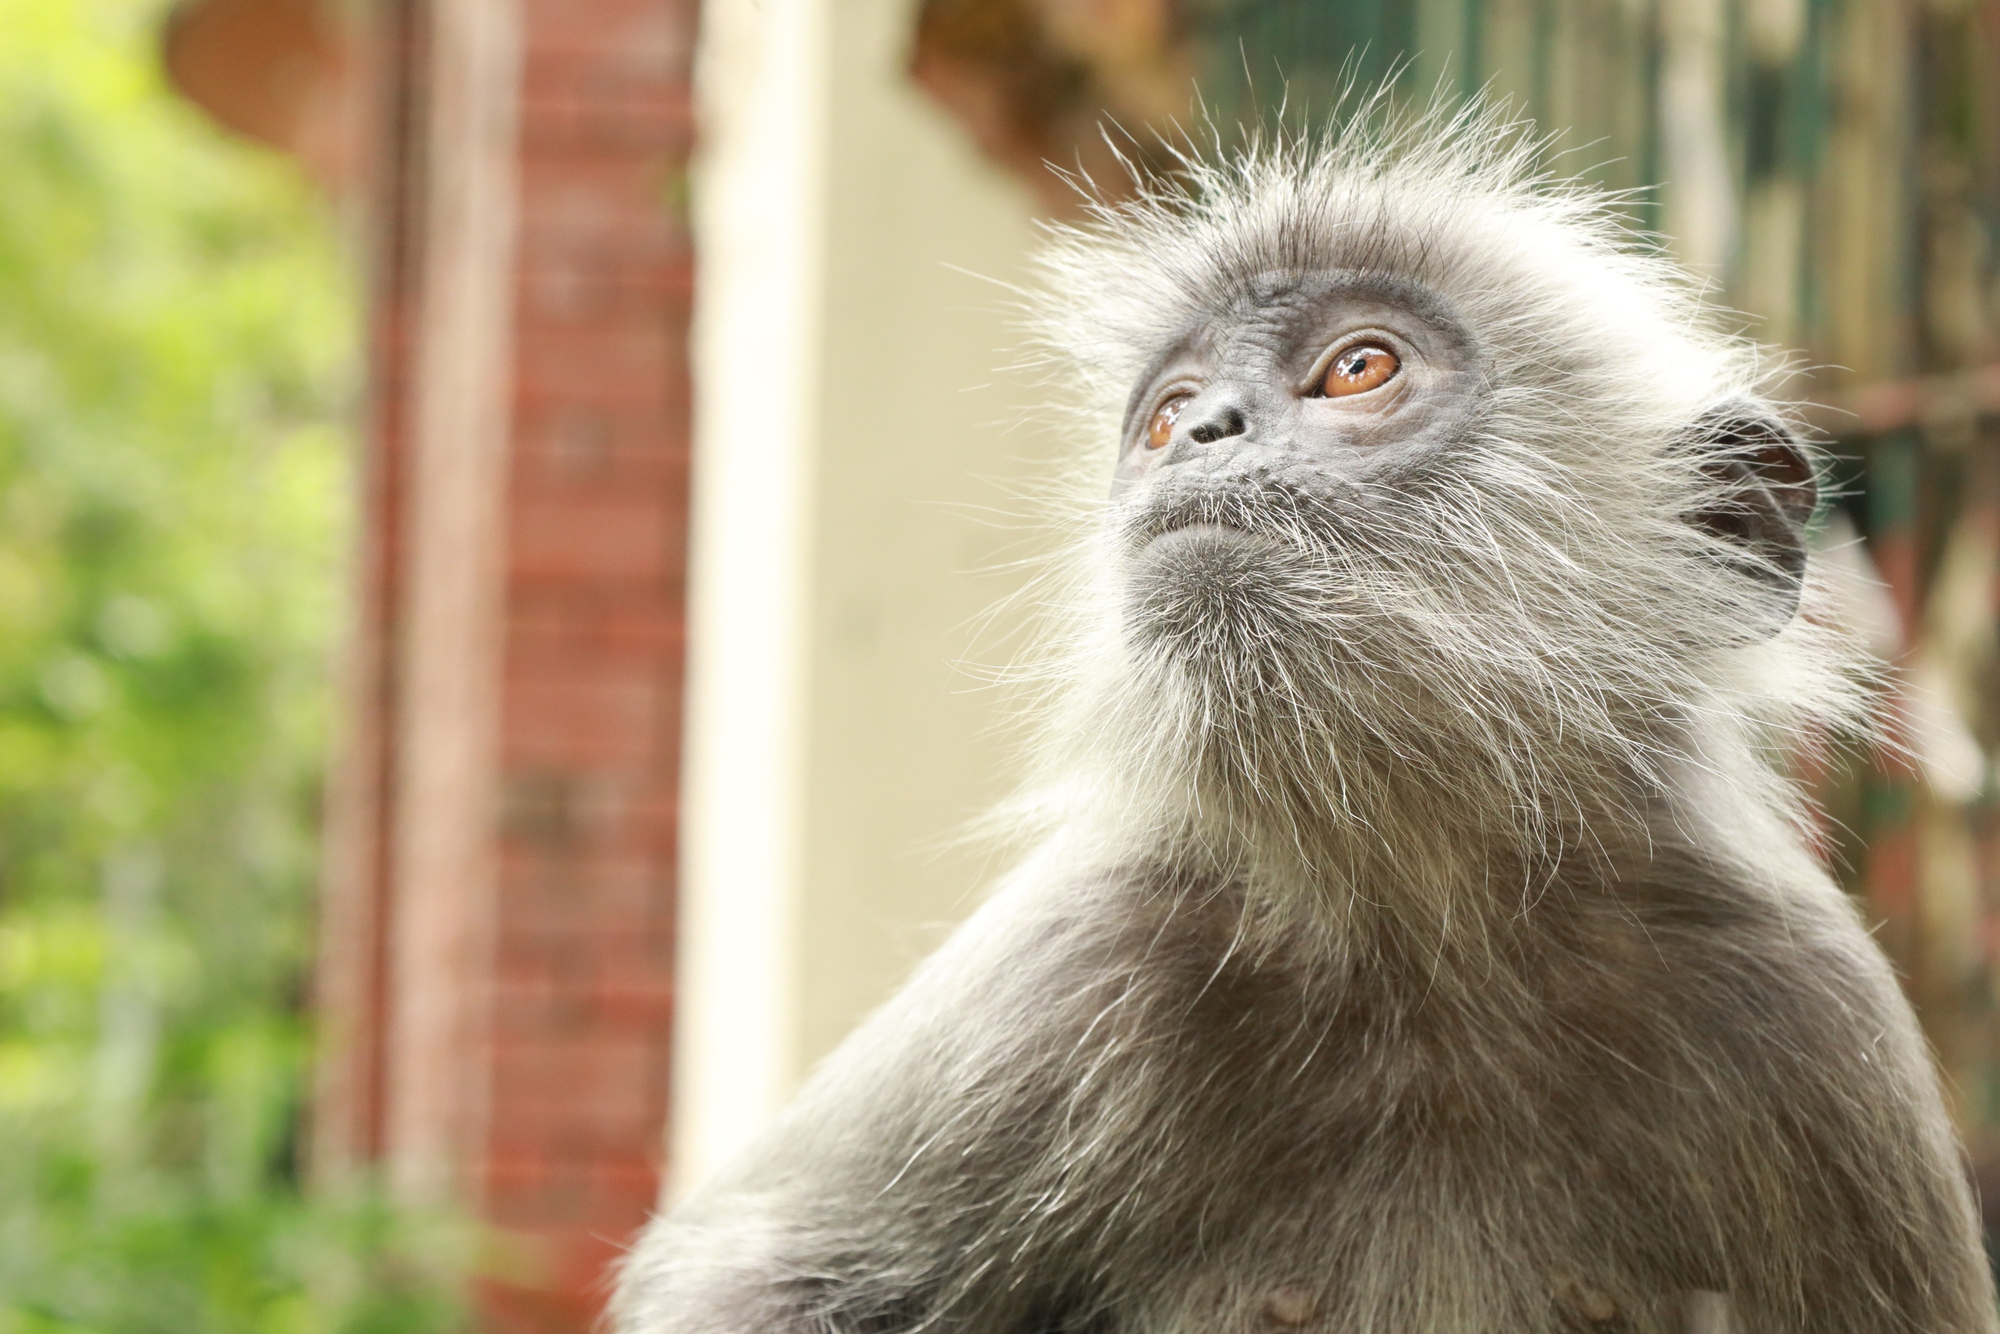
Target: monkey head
{"points": [[1432, 487]]}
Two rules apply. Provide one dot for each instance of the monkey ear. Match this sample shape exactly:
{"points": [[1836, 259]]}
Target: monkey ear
{"points": [[1768, 489]]}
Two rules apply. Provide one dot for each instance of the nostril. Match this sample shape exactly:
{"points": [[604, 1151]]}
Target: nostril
{"points": [[1219, 426]]}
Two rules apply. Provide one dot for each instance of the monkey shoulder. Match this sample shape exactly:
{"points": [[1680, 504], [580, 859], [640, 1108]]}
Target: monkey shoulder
{"points": [[1746, 958], [1140, 1001]]}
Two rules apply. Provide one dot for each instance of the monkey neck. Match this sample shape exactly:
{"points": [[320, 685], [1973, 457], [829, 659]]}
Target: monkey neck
{"points": [[1382, 854], [1440, 925], [1430, 832], [1415, 871]]}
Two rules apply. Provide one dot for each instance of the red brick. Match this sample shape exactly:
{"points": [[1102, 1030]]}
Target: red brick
{"points": [[579, 202], [579, 999], [553, 620], [602, 536]]}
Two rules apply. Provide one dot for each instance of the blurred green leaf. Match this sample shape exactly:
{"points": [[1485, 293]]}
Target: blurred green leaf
{"points": [[177, 358]]}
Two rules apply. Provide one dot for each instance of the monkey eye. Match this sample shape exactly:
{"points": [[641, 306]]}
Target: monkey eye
{"points": [[1358, 368], [1161, 428]]}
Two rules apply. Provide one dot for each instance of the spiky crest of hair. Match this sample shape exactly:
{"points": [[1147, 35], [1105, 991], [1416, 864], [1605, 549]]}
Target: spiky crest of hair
{"points": [[1521, 655]]}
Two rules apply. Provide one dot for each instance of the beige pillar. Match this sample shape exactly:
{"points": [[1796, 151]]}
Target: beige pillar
{"points": [[444, 867], [853, 439]]}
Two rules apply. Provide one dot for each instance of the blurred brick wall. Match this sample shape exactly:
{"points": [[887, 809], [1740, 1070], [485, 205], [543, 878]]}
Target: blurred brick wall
{"points": [[592, 675], [566, 992]]}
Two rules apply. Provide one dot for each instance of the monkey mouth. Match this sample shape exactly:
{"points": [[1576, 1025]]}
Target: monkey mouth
{"points": [[1205, 544], [1181, 524], [1202, 512], [1200, 529]]}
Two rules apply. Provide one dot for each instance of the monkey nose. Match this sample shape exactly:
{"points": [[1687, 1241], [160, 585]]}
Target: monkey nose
{"points": [[1215, 416], [1220, 426]]}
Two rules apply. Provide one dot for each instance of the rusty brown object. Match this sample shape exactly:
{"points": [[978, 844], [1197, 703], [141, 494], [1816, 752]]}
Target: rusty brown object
{"points": [[1048, 87], [277, 71], [1961, 398]]}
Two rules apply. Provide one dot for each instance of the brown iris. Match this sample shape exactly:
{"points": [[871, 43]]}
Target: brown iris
{"points": [[1358, 368], [1161, 428]]}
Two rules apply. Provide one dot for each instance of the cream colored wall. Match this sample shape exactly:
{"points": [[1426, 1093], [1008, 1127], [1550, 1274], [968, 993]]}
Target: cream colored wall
{"points": [[923, 440], [853, 437]]}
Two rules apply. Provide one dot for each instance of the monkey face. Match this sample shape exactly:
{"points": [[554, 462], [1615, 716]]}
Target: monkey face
{"points": [[1314, 384], [1330, 501], [1264, 455], [1277, 457], [1293, 433]]}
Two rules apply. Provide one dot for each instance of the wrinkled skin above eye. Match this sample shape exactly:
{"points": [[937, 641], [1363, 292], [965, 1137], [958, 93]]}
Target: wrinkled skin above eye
{"points": [[1326, 377]]}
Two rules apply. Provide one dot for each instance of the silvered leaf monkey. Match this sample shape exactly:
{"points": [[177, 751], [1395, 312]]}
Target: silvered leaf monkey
{"points": [[1420, 930]]}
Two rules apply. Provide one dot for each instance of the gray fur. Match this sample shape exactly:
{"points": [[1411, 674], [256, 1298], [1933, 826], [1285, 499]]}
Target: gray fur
{"points": [[1421, 932]]}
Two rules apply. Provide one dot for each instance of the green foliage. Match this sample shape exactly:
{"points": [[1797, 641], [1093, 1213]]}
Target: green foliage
{"points": [[176, 365]]}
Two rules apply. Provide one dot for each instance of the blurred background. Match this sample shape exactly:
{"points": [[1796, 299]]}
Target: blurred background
{"points": [[499, 506]]}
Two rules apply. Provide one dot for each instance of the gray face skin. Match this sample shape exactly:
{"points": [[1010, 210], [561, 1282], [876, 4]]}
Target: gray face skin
{"points": [[1258, 447], [1252, 385], [1278, 456]]}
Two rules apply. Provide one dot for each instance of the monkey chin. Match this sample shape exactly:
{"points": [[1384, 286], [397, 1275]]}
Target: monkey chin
{"points": [[1202, 588]]}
